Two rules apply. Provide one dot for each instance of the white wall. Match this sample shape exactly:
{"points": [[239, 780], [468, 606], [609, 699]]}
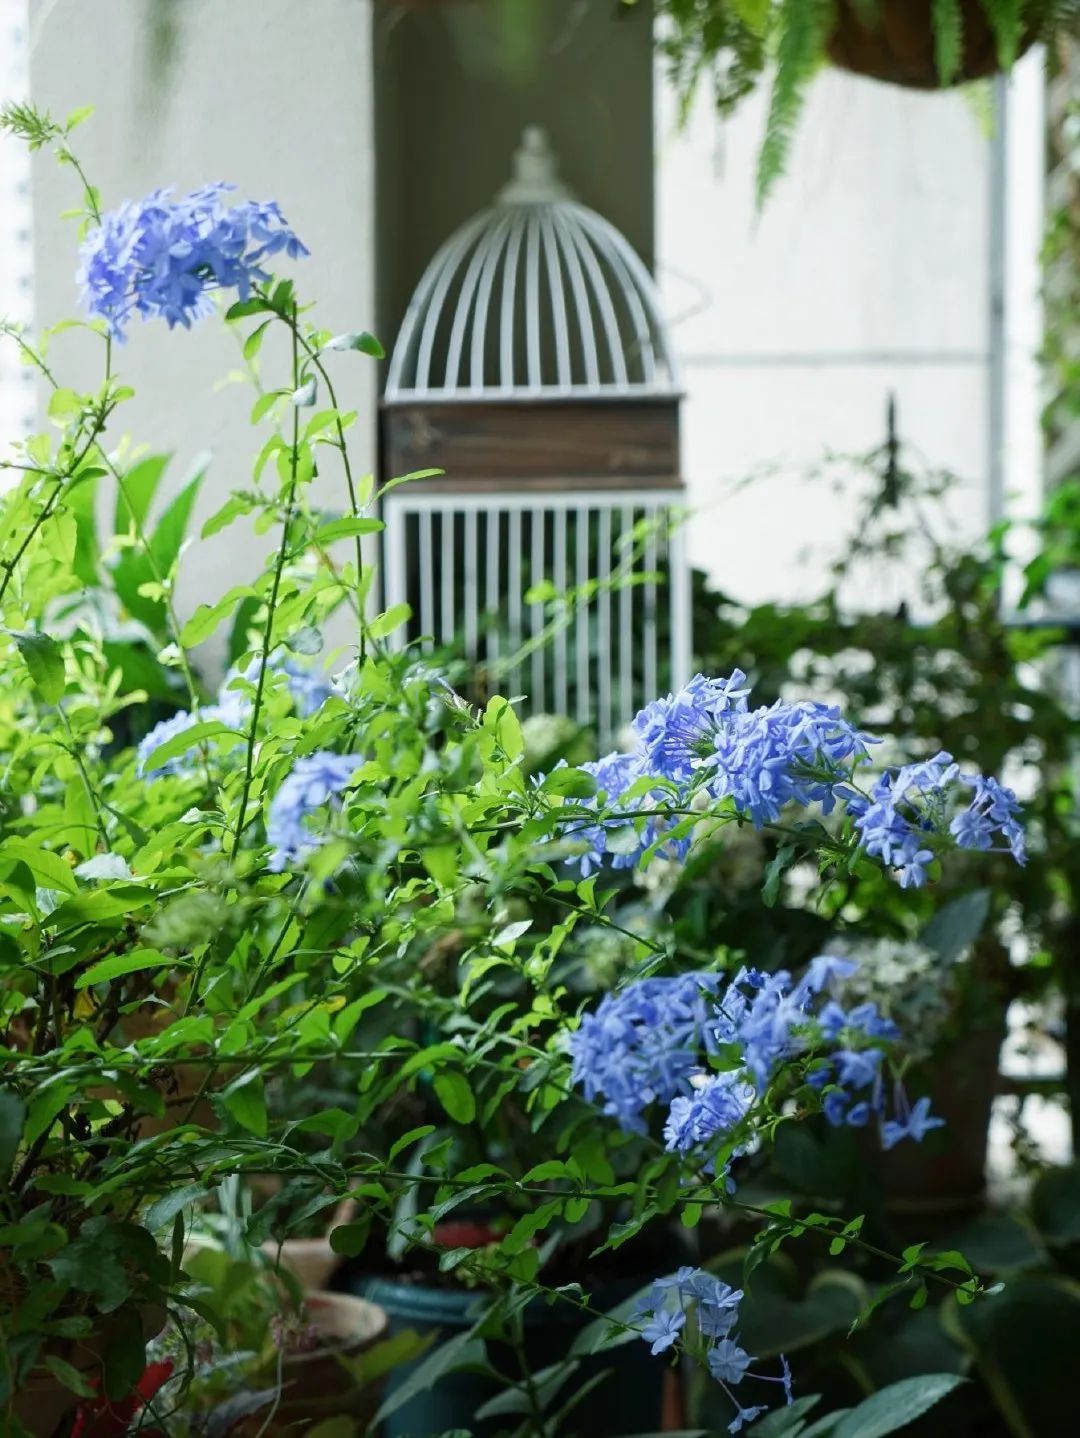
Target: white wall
{"points": [[271, 94], [16, 382], [868, 272]]}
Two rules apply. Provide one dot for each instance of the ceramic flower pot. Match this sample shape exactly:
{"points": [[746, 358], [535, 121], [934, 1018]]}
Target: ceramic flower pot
{"points": [[898, 45], [311, 1261], [318, 1385]]}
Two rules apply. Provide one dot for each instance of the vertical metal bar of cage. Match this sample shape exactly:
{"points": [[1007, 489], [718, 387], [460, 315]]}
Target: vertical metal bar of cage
{"points": [[562, 689], [626, 615], [650, 646], [604, 656], [427, 580], [581, 632], [513, 566], [681, 611], [472, 586], [395, 585], [560, 320], [538, 568], [492, 603], [447, 547]]}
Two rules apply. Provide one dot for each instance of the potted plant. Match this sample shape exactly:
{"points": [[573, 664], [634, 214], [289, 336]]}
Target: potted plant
{"points": [[287, 883], [922, 43]]}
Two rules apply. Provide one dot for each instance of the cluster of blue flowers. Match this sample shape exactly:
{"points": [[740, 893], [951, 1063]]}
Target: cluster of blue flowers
{"points": [[313, 782], [308, 689], [163, 255], [716, 1310], [907, 805], [645, 1046], [642, 1045], [709, 743]]}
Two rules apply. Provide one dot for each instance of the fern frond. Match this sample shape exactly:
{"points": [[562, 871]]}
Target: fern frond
{"points": [[948, 39], [1006, 21], [801, 29]]}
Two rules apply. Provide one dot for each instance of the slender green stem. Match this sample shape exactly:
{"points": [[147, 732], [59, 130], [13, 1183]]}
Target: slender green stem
{"points": [[271, 609], [342, 446], [88, 788]]}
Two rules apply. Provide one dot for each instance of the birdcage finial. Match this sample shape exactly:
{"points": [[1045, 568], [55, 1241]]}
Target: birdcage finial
{"points": [[536, 173]]}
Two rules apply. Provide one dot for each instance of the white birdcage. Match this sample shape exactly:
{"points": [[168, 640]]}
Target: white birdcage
{"points": [[534, 369]]}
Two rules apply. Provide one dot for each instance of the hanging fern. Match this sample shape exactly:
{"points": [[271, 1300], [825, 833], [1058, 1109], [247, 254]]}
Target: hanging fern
{"points": [[948, 39], [802, 27], [731, 43], [1007, 20]]}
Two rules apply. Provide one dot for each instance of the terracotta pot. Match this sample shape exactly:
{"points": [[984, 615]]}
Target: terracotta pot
{"points": [[317, 1385], [311, 1261], [899, 48], [946, 1173]]}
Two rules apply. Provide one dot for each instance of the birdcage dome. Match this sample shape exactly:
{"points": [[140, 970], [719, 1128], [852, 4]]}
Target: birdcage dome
{"points": [[537, 297]]}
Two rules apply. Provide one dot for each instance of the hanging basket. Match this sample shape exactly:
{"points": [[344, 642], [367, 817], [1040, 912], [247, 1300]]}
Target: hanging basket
{"points": [[898, 45]]}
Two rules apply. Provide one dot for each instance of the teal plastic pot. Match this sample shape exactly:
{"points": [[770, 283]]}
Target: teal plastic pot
{"points": [[628, 1400]]}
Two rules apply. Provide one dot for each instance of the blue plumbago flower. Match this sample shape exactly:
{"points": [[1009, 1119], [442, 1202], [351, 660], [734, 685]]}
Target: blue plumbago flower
{"points": [[646, 1045], [717, 1105], [613, 775], [308, 686], [914, 1121], [676, 733], [706, 740], [788, 753], [663, 1329], [168, 729], [716, 1309], [314, 781], [908, 805], [641, 1046], [163, 255]]}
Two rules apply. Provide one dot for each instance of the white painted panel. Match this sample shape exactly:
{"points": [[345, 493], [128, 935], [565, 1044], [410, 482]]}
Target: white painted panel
{"points": [[875, 239], [272, 95], [778, 424]]}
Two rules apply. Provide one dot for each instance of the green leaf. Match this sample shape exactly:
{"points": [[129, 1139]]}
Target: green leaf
{"points": [[65, 404], [462, 1350], [168, 536], [49, 869], [394, 618], [345, 529], [414, 1135], [896, 1406], [136, 491], [349, 1239], [45, 661], [120, 964], [162, 1213], [234, 506], [207, 617], [188, 739], [69, 1376], [948, 38], [456, 1096], [245, 1101], [785, 1422], [357, 340], [242, 308], [956, 925], [12, 1118], [572, 783], [253, 343]]}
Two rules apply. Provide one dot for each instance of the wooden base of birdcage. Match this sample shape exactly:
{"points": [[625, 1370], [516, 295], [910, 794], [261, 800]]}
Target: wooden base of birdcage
{"points": [[548, 444]]}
